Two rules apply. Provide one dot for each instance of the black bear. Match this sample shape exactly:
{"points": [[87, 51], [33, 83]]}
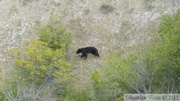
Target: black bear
{"points": [[86, 50]]}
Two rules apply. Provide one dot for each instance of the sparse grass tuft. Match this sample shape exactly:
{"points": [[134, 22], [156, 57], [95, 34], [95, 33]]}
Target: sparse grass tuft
{"points": [[106, 8], [86, 11], [25, 2]]}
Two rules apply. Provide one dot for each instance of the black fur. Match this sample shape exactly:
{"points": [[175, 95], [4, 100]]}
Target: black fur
{"points": [[86, 50]]}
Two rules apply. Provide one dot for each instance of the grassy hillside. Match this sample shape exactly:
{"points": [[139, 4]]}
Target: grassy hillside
{"points": [[109, 25]]}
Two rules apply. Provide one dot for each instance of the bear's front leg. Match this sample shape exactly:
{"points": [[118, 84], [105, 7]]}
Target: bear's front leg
{"points": [[84, 55]]}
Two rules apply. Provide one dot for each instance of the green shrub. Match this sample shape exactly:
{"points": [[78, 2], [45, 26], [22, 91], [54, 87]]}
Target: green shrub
{"points": [[2, 97], [55, 34], [97, 85], [40, 65], [76, 95]]}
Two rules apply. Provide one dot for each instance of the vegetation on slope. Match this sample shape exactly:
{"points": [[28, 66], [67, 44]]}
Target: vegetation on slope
{"points": [[41, 69], [153, 68]]}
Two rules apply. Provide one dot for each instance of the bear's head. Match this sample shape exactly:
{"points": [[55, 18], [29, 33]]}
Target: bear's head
{"points": [[79, 51]]}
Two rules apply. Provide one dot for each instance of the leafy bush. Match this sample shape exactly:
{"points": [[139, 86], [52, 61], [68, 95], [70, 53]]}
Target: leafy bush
{"points": [[36, 62], [40, 65], [97, 85], [55, 34], [119, 77], [2, 97], [76, 95]]}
